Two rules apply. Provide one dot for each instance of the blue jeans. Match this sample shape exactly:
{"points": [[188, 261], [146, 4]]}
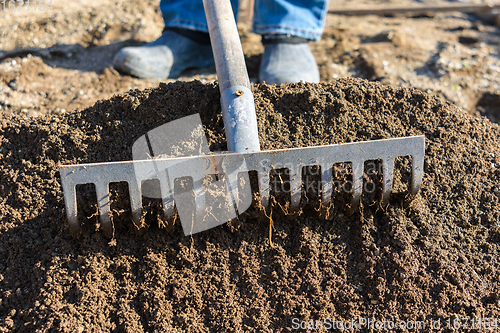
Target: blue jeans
{"points": [[300, 18]]}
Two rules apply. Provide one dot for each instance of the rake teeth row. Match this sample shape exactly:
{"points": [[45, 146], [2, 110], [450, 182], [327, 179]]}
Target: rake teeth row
{"points": [[234, 164]]}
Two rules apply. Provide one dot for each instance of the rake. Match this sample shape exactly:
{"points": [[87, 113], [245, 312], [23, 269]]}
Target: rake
{"points": [[244, 155]]}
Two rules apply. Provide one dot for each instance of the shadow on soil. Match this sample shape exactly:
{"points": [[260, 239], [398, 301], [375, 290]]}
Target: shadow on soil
{"points": [[96, 58], [489, 106], [74, 56]]}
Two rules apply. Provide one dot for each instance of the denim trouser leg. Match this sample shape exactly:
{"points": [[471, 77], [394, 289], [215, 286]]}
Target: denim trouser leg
{"points": [[187, 14], [301, 18]]}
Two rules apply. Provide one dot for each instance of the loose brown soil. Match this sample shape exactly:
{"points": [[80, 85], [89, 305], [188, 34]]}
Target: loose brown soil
{"points": [[436, 258]]}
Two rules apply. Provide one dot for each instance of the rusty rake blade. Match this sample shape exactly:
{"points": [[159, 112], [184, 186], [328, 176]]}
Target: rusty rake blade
{"points": [[232, 165]]}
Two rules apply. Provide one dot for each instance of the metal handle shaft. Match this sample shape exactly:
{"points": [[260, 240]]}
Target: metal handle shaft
{"points": [[238, 106]]}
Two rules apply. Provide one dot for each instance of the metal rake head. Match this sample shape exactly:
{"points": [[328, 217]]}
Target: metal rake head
{"points": [[232, 165]]}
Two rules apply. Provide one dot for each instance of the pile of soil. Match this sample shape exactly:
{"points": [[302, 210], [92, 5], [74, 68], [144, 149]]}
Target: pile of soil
{"points": [[437, 258]]}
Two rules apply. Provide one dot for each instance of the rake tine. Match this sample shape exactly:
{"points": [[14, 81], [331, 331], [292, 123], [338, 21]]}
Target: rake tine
{"points": [[264, 188], [167, 193], [200, 202], [71, 211], [102, 191], [199, 197], [232, 189], [231, 173], [357, 182], [417, 173], [295, 187], [134, 188], [387, 180], [326, 183]]}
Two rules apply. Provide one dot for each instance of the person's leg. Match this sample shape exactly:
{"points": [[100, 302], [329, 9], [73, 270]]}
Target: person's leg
{"points": [[300, 18], [185, 43], [187, 14], [286, 28]]}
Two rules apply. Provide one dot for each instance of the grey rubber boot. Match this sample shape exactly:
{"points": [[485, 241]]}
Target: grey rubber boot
{"points": [[166, 57], [287, 63]]}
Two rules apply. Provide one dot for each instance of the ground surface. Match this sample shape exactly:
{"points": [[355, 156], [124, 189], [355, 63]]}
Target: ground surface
{"points": [[59, 60], [435, 259]]}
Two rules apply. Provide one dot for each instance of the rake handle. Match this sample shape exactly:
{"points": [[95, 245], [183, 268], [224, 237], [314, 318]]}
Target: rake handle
{"points": [[237, 102]]}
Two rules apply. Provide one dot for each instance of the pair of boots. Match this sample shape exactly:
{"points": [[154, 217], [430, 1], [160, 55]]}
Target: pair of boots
{"points": [[286, 59]]}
